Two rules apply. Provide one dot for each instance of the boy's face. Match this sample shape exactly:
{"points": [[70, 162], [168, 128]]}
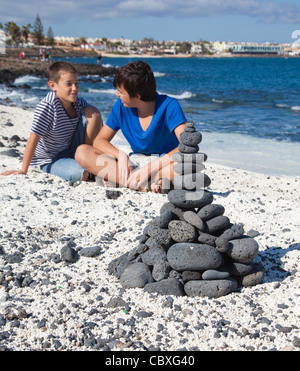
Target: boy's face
{"points": [[125, 97], [66, 88]]}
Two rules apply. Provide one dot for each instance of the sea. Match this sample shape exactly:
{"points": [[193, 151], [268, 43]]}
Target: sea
{"points": [[247, 109]]}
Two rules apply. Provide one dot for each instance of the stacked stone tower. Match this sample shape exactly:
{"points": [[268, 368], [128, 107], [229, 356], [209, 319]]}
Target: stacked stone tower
{"points": [[191, 248]]}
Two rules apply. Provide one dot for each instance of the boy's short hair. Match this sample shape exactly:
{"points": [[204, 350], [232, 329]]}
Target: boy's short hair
{"points": [[137, 78], [56, 68]]}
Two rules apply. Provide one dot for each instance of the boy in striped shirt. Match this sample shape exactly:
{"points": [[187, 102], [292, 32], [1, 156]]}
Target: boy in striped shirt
{"points": [[58, 129]]}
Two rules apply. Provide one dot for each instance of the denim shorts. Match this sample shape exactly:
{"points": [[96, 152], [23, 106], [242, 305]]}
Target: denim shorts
{"points": [[64, 164]]}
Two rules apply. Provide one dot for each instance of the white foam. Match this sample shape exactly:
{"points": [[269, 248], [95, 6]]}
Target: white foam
{"points": [[159, 74], [184, 95], [27, 79], [102, 91]]}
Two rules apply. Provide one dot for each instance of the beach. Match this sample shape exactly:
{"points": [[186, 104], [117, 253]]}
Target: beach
{"points": [[49, 304]]}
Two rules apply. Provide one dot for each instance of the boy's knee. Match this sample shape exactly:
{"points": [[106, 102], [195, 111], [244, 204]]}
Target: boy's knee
{"points": [[80, 153]]}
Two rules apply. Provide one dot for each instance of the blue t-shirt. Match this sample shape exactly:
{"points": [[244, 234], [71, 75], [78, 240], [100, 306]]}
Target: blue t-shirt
{"points": [[160, 137]]}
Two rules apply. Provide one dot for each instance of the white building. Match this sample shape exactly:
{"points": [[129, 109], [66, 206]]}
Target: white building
{"points": [[2, 42], [196, 49]]}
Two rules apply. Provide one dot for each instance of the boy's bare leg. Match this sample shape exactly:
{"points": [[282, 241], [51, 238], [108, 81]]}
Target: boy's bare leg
{"points": [[99, 164], [94, 125]]}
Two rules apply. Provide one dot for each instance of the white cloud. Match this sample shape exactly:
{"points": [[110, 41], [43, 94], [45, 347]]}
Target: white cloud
{"points": [[60, 10]]}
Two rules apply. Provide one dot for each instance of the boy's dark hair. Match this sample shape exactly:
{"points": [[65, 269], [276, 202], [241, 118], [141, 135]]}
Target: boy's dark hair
{"points": [[56, 68], [137, 78]]}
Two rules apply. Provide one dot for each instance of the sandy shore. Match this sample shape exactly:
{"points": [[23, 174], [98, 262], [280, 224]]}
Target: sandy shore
{"points": [[49, 304]]}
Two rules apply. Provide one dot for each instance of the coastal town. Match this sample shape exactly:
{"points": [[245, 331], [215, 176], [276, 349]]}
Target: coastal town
{"points": [[150, 47]]}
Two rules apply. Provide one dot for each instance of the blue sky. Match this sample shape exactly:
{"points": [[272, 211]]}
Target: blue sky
{"points": [[225, 20]]}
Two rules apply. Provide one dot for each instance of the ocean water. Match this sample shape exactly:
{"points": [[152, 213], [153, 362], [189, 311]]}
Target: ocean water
{"points": [[248, 109]]}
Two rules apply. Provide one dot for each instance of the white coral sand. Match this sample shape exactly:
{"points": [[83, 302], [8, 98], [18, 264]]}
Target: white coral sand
{"points": [[68, 306]]}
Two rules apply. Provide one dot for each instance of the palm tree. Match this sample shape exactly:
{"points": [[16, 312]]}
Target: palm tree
{"points": [[25, 31], [14, 31]]}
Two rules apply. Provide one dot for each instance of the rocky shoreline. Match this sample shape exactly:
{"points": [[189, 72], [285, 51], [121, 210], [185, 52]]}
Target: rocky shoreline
{"points": [[11, 68]]}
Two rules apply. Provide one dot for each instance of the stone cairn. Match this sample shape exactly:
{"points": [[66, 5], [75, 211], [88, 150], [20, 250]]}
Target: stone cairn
{"points": [[192, 248]]}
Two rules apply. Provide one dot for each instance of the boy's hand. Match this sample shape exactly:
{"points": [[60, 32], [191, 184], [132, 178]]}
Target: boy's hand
{"points": [[13, 172], [138, 179], [124, 168]]}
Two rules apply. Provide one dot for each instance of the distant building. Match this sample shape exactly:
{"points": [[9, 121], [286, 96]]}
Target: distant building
{"points": [[257, 49], [2, 41], [196, 49]]}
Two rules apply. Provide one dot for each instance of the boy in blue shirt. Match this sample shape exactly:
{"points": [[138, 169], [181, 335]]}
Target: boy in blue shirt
{"points": [[151, 123]]}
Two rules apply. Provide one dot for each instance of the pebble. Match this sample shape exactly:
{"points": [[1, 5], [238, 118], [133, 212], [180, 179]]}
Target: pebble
{"points": [[188, 149], [182, 231], [165, 218], [153, 256], [190, 200], [190, 139], [170, 286], [216, 224], [210, 289], [136, 276], [90, 252], [193, 257], [184, 168], [197, 158], [193, 219], [68, 254], [191, 182], [210, 211], [213, 274], [243, 250]]}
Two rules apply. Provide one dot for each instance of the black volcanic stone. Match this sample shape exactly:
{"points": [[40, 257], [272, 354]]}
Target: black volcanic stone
{"points": [[188, 149], [255, 277], [190, 200], [193, 257], [239, 269], [243, 250], [192, 182], [170, 286], [217, 224], [207, 239], [190, 138], [211, 289], [68, 254], [175, 210], [136, 276], [188, 168], [154, 255], [197, 158], [117, 266], [211, 211], [182, 231], [193, 219], [165, 218]]}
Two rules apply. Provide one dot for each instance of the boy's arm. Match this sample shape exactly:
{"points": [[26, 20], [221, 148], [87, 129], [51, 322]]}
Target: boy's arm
{"points": [[94, 121], [28, 155], [103, 142]]}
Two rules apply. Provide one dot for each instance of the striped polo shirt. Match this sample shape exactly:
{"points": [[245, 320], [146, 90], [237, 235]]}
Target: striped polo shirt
{"points": [[55, 127]]}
